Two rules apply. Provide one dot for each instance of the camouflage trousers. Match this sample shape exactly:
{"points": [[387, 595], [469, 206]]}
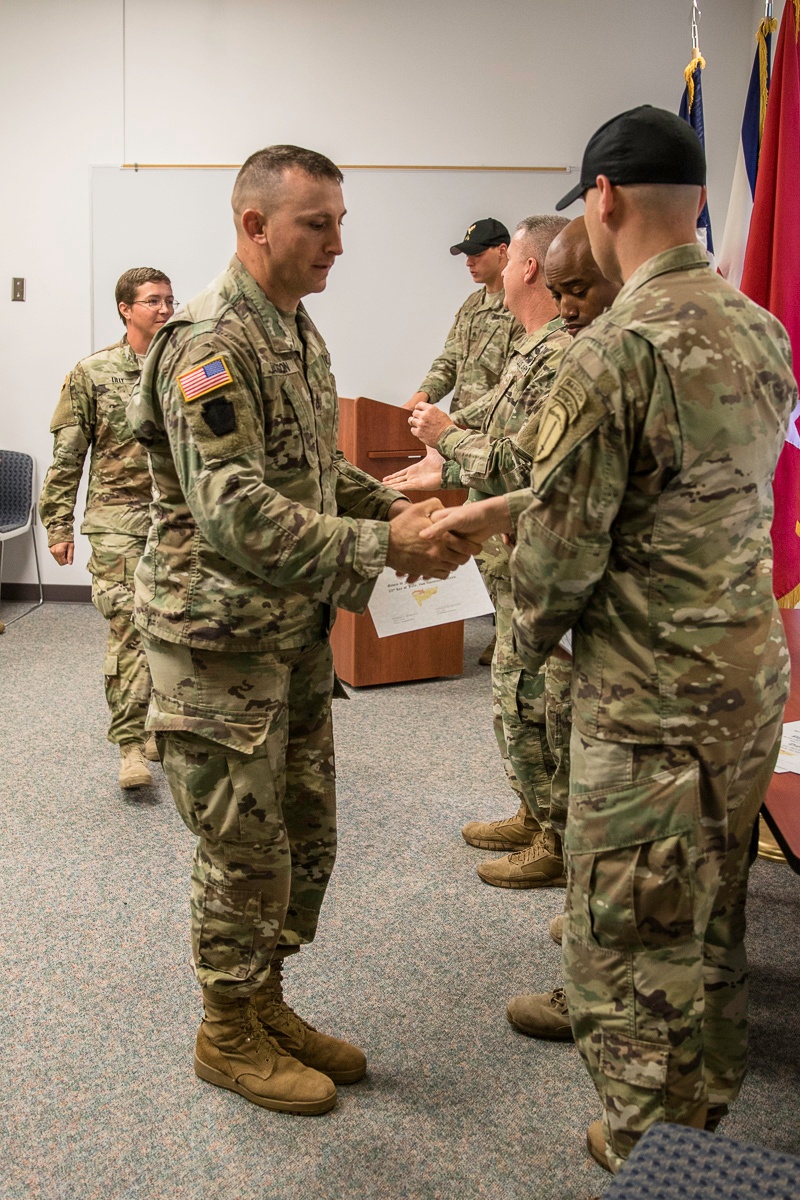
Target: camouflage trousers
{"points": [[246, 743], [125, 671], [558, 723], [518, 708], [658, 849]]}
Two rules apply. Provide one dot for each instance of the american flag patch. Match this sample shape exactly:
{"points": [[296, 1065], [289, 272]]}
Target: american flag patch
{"points": [[203, 379]]}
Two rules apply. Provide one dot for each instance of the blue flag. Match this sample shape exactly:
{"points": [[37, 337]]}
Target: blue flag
{"points": [[691, 110]]}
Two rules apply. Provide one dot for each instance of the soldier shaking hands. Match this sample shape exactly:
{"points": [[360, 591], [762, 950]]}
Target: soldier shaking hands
{"points": [[261, 529]]}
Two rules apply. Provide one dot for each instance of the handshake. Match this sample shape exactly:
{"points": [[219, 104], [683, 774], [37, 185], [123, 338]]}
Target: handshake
{"points": [[427, 539]]}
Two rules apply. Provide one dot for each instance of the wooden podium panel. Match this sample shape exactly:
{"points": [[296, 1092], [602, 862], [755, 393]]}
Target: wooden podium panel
{"points": [[376, 438]]}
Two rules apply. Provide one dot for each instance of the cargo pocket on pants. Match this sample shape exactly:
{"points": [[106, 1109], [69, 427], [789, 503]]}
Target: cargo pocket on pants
{"points": [[634, 1087], [227, 931], [632, 862], [111, 664]]}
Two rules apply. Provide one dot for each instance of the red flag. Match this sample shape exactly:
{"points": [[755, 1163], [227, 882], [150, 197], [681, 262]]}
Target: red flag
{"points": [[771, 276]]}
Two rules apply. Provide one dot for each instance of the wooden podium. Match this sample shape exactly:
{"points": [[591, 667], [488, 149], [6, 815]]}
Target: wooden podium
{"points": [[376, 438]]}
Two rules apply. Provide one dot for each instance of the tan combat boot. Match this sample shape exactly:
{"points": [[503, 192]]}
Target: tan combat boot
{"points": [[150, 749], [557, 929], [133, 770], [234, 1051], [339, 1060], [487, 654], [512, 833], [598, 1148], [596, 1145], [540, 865], [541, 1015]]}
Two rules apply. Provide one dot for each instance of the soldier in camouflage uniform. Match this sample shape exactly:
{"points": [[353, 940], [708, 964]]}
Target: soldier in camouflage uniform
{"points": [[483, 332], [582, 293], [260, 528], [91, 413], [484, 457], [648, 535]]}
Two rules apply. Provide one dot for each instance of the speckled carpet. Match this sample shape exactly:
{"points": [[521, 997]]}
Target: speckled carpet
{"points": [[415, 959]]}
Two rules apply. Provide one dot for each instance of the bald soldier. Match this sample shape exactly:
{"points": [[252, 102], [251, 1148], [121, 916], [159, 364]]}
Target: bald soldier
{"points": [[476, 456], [581, 293], [261, 528], [646, 532], [479, 342]]}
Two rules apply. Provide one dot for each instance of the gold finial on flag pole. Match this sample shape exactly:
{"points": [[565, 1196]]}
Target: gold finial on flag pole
{"points": [[697, 58]]}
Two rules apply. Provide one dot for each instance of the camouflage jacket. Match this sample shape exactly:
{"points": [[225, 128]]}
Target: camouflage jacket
{"points": [[91, 412], [491, 462], [486, 456], [247, 550], [475, 353], [649, 527]]}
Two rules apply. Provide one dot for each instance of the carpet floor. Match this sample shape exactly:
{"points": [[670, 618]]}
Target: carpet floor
{"points": [[415, 960]]}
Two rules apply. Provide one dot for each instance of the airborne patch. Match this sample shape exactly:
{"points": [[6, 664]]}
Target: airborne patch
{"points": [[572, 394], [206, 378], [551, 430], [564, 405]]}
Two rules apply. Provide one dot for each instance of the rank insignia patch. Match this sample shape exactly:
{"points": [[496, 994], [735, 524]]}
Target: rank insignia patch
{"points": [[204, 379]]}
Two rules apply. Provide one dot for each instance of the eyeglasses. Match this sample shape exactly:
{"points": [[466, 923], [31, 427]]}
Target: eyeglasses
{"points": [[155, 302]]}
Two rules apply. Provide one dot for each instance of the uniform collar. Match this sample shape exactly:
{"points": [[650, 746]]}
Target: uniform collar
{"points": [[280, 338], [494, 301], [532, 340], [131, 359], [677, 258]]}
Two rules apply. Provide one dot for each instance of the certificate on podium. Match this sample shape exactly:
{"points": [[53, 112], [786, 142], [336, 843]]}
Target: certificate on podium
{"points": [[397, 606]]}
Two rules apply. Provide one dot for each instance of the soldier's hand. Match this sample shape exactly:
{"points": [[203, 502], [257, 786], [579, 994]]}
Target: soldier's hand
{"points": [[477, 522], [410, 555], [423, 475], [417, 398], [63, 553], [428, 423]]}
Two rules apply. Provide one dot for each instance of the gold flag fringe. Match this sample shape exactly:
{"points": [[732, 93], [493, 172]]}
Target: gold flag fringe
{"points": [[688, 74], [791, 599], [767, 26], [796, 20]]}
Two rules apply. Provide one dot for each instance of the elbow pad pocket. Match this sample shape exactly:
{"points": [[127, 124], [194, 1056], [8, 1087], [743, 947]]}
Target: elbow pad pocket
{"points": [[63, 414]]}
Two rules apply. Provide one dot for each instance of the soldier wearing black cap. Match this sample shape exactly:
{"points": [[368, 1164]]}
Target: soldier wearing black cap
{"points": [[478, 344], [647, 532]]}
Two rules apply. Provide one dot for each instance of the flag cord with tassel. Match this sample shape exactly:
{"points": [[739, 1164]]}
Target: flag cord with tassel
{"points": [[697, 58]]}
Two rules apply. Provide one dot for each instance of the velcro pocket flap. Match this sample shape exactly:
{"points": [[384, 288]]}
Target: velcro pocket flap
{"points": [[664, 805], [239, 731], [637, 1064], [110, 664]]}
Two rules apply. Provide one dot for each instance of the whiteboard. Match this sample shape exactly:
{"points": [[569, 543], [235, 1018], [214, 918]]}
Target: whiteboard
{"points": [[391, 296]]}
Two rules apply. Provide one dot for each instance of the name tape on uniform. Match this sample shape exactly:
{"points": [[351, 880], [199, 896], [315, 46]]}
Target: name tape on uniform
{"points": [[204, 379]]}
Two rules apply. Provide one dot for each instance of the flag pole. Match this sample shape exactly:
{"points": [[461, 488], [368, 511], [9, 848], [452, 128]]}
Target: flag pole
{"points": [[697, 58]]}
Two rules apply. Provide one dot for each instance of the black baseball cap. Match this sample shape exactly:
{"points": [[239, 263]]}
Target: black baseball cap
{"points": [[643, 145], [481, 236]]}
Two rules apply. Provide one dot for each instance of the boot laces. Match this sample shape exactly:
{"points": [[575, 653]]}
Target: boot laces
{"points": [[276, 1013], [558, 1001], [258, 1036], [532, 853]]}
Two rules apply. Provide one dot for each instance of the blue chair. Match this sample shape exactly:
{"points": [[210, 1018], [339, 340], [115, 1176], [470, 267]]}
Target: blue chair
{"points": [[673, 1162], [17, 512]]}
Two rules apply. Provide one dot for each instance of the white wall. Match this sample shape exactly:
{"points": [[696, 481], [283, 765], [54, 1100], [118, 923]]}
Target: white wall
{"points": [[375, 81]]}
